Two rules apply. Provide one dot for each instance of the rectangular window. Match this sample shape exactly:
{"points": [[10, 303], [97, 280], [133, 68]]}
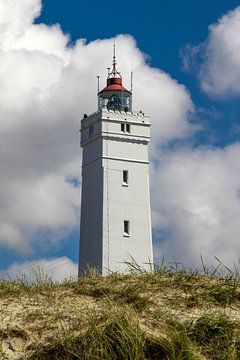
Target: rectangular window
{"points": [[125, 177], [90, 130], [125, 128], [126, 227]]}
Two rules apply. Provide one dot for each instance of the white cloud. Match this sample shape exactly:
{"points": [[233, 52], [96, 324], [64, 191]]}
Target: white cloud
{"points": [[18, 14], [219, 73], [45, 87], [196, 204], [15, 17], [58, 269], [196, 191]]}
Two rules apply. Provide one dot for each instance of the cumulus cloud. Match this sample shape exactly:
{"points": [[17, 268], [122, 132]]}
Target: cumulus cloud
{"points": [[218, 56], [196, 204], [16, 16], [57, 269], [45, 87]]}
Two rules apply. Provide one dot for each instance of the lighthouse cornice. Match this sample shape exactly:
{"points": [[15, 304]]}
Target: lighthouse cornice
{"points": [[116, 137], [110, 115], [114, 125]]}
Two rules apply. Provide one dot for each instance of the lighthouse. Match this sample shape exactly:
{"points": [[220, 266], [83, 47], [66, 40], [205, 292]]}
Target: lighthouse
{"points": [[115, 227]]}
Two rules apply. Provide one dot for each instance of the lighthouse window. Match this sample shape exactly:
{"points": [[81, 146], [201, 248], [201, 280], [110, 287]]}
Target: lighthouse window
{"points": [[90, 129], [126, 227], [125, 128], [125, 177]]}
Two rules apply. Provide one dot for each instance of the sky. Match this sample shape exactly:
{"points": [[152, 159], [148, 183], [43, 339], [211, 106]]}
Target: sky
{"points": [[186, 63]]}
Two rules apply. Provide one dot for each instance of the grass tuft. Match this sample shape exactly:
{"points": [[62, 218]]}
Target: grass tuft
{"points": [[215, 335], [112, 334]]}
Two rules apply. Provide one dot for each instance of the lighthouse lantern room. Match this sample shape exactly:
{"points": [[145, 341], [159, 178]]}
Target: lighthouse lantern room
{"points": [[114, 96]]}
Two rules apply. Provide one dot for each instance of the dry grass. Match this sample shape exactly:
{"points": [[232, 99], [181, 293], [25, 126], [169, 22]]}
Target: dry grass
{"points": [[172, 313]]}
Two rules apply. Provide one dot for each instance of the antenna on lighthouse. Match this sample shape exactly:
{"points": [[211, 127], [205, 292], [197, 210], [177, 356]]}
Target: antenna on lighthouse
{"points": [[98, 83], [98, 89], [131, 81], [114, 58]]}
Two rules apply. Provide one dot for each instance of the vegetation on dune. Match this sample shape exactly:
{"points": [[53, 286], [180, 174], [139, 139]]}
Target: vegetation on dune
{"points": [[171, 314]]}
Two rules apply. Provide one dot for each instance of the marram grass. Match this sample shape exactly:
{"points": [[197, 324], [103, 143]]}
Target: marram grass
{"points": [[173, 313]]}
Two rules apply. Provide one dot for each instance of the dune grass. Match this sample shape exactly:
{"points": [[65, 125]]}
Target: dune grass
{"points": [[173, 313]]}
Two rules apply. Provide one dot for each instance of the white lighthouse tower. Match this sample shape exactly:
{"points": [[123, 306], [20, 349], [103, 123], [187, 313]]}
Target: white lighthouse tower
{"points": [[115, 209]]}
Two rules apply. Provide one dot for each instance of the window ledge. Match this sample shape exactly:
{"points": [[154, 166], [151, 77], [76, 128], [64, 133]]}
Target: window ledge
{"points": [[126, 235], [124, 184]]}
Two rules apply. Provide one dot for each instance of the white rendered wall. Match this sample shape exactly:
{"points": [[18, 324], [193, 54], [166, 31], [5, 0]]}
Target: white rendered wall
{"points": [[126, 203], [106, 201]]}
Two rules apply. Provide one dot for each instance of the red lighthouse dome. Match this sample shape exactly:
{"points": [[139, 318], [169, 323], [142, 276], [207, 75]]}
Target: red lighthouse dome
{"points": [[115, 96]]}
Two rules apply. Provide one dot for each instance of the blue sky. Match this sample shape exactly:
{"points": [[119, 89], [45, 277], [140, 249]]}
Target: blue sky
{"points": [[162, 30], [170, 34]]}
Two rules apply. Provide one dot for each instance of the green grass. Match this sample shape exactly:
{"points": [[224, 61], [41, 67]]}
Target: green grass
{"points": [[215, 334], [226, 293], [13, 332], [112, 334], [132, 295], [116, 335]]}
